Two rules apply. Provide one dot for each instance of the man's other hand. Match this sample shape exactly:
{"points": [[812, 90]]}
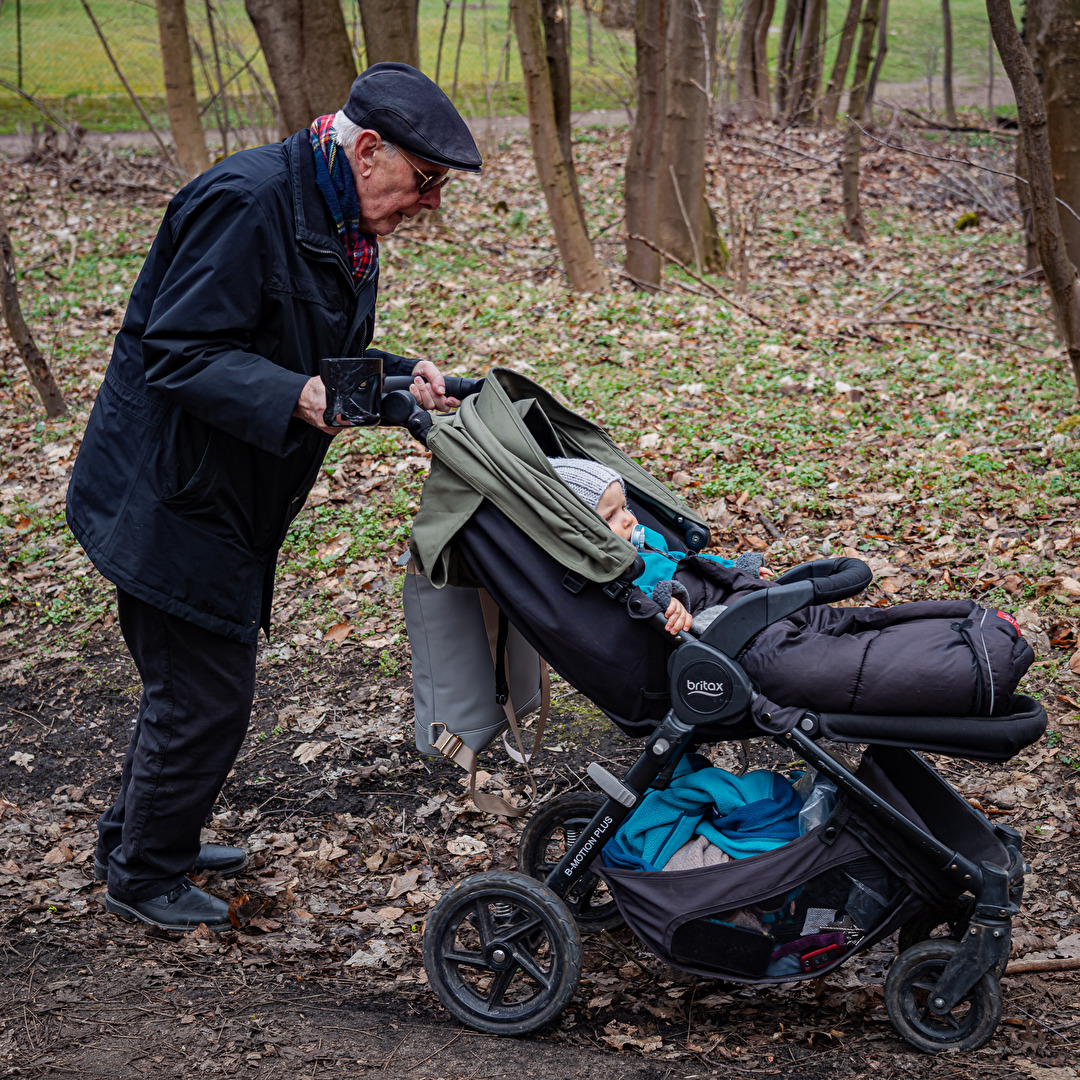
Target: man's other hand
{"points": [[432, 393]]}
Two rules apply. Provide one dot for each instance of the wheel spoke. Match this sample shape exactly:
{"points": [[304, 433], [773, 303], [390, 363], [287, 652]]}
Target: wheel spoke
{"points": [[469, 959], [589, 885], [513, 933], [484, 925], [499, 986], [527, 962]]}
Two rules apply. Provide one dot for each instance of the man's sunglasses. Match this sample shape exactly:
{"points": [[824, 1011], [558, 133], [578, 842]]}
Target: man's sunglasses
{"points": [[428, 182]]}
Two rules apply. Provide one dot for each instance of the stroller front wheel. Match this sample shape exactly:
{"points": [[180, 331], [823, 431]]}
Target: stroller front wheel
{"points": [[545, 840], [909, 987], [502, 953]]}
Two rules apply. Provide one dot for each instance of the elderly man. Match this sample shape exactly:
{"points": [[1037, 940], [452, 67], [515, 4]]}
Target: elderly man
{"points": [[208, 433]]}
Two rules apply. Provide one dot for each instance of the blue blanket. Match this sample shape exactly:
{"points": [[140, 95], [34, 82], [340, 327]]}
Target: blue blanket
{"points": [[742, 815]]}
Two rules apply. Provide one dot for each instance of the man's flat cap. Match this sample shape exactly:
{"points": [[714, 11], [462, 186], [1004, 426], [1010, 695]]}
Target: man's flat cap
{"points": [[405, 107]]}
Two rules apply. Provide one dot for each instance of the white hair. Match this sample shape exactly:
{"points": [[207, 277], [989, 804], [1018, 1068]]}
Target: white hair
{"points": [[345, 133]]}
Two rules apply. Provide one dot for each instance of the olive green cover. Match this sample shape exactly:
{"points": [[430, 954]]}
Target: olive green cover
{"points": [[496, 447]]}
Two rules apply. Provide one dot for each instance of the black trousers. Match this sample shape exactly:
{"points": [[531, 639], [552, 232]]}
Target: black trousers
{"points": [[198, 688]]}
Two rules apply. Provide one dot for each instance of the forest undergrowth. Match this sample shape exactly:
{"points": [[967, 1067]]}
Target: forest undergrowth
{"points": [[904, 402]]}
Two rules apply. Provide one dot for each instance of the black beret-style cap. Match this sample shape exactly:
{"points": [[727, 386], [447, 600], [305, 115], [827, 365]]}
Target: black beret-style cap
{"points": [[408, 109]]}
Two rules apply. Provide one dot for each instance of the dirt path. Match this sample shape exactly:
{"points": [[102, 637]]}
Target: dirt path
{"points": [[326, 979], [911, 95]]}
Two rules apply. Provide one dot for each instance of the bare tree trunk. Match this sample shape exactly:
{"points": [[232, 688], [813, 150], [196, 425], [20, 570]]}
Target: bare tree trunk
{"points": [[36, 364], [328, 56], [180, 99], [853, 222], [683, 216], [309, 56], [830, 103], [391, 31], [785, 56], [747, 105], [1023, 197], [557, 47], [1059, 270], [643, 160], [946, 70], [567, 221], [802, 92], [761, 57], [442, 37], [1052, 35], [883, 48]]}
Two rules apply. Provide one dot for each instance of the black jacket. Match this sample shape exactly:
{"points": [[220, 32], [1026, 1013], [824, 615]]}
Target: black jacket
{"points": [[191, 467]]}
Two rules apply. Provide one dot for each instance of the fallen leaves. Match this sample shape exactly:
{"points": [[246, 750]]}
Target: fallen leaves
{"points": [[466, 845], [307, 752]]}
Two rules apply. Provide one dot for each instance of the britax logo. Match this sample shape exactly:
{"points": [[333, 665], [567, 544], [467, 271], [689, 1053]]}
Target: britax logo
{"points": [[597, 834], [703, 686]]}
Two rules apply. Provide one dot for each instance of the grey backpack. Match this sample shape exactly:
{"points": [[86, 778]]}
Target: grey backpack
{"points": [[459, 706]]}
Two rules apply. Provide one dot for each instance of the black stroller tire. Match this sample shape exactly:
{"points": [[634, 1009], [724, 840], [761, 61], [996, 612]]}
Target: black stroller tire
{"points": [[502, 953], [542, 845], [922, 927], [911, 981]]}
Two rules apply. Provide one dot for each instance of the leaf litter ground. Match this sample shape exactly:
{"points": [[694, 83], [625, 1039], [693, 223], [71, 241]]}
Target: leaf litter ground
{"points": [[903, 402]]}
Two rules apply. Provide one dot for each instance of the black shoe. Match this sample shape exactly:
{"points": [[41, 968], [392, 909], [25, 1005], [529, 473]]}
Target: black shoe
{"points": [[181, 909], [212, 859]]}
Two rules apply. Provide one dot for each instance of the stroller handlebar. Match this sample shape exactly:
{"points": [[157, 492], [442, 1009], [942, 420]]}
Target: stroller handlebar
{"points": [[398, 408], [457, 386]]}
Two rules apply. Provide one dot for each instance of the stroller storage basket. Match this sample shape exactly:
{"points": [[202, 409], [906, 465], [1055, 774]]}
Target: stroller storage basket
{"points": [[782, 915]]}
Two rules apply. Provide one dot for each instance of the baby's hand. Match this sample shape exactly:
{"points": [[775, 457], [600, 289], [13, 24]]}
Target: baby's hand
{"points": [[678, 618], [766, 572]]}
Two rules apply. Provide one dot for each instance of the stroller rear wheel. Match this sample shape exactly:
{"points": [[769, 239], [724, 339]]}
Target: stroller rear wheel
{"points": [[908, 990], [544, 841], [502, 953]]}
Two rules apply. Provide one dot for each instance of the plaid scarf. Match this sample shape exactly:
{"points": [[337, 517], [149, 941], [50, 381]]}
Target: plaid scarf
{"points": [[335, 180]]}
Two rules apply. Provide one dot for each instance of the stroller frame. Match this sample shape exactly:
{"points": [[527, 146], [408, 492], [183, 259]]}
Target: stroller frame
{"points": [[941, 994], [497, 930]]}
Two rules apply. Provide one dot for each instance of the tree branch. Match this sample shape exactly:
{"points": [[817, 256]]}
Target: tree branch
{"points": [[959, 161], [700, 280]]}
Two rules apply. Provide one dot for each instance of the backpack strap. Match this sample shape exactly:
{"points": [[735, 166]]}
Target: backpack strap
{"points": [[453, 748], [498, 630]]}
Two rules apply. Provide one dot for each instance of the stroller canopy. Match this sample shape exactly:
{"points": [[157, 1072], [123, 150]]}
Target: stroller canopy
{"points": [[495, 447]]}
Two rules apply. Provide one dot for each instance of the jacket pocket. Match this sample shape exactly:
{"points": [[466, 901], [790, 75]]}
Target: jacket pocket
{"points": [[195, 490]]}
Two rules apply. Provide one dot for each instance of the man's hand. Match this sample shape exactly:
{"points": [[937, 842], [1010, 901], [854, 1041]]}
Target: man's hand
{"points": [[311, 405], [431, 394], [678, 618]]}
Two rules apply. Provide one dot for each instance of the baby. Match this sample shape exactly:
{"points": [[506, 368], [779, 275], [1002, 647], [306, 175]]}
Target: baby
{"points": [[604, 490]]}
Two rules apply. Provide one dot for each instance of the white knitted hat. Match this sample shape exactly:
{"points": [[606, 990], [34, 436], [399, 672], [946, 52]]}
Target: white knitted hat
{"points": [[586, 479]]}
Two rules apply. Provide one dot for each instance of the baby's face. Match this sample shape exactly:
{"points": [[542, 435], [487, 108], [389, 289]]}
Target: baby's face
{"points": [[613, 509]]}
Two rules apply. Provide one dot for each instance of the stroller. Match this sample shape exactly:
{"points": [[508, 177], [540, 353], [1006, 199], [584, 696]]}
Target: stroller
{"points": [[899, 851]]}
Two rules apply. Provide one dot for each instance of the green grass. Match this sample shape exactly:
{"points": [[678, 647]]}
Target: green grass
{"points": [[65, 66]]}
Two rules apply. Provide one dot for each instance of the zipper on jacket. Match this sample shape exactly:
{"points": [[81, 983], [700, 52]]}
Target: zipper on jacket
{"points": [[332, 255]]}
